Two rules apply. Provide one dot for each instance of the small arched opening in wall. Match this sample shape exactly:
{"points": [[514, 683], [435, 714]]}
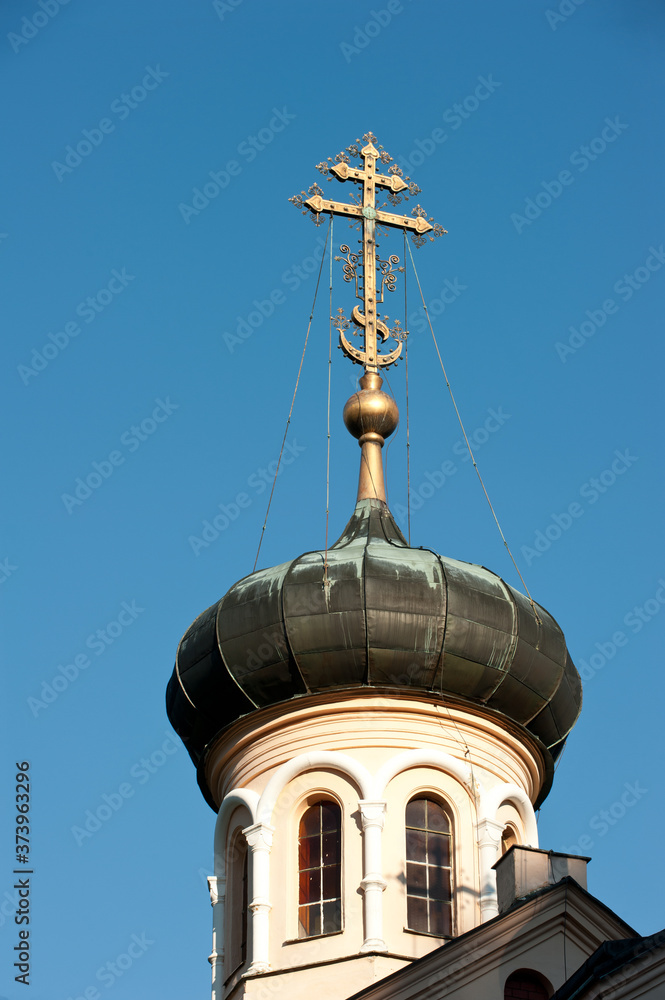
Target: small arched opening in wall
{"points": [[510, 818], [237, 902], [527, 984], [509, 838]]}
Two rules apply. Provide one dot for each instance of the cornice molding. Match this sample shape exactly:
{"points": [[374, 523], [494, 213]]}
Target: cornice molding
{"points": [[269, 738]]}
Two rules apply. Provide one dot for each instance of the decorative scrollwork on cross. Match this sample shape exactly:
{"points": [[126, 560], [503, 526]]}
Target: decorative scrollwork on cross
{"points": [[350, 265], [357, 356], [371, 274], [397, 332], [393, 197], [340, 322], [301, 202], [388, 276], [420, 213]]}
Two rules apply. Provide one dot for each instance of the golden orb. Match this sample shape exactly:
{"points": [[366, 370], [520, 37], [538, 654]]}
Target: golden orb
{"points": [[371, 413]]}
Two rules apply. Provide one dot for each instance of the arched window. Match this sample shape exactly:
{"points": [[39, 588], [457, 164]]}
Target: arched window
{"points": [[508, 838], [319, 870], [428, 868], [237, 904], [526, 983]]}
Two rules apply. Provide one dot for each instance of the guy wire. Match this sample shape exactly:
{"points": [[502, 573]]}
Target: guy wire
{"points": [[288, 422], [473, 459]]}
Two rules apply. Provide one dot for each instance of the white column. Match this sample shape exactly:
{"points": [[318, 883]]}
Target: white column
{"points": [[217, 887], [259, 838], [489, 844], [373, 882]]}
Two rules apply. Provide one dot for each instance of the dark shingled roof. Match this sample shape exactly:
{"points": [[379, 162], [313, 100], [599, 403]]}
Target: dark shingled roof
{"points": [[606, 960]]}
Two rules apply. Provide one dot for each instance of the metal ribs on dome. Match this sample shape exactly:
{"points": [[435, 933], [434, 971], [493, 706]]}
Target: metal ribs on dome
{"points": [[390, 617]]}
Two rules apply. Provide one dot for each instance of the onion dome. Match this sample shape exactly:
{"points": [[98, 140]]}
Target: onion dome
{"points": [[373, 613]]}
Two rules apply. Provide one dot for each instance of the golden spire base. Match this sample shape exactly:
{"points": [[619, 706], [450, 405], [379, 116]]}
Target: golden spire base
{"points": [[371, 416]]}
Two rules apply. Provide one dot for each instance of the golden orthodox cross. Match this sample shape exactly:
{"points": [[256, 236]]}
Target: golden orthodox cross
{"points": [[370, 215]]}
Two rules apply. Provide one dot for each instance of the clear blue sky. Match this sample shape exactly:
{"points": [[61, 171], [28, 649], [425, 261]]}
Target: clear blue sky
{"points": [[538, 144]]}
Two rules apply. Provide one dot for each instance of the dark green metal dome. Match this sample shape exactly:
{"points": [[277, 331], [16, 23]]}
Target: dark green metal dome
{"points": [[373, 613]]}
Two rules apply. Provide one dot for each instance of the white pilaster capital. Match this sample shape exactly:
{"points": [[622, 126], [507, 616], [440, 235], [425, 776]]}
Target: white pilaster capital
{"points": [[489, 833], [373, 881], [259, 905], [217, 888], [372, 813], [259, 836], [216, 958]]}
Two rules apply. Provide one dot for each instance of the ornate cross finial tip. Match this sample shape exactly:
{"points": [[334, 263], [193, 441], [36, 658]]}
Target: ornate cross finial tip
{"points": [[364, 212]]}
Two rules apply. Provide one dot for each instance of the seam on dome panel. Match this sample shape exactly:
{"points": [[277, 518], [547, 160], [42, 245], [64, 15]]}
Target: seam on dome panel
{"points": [[189, 634], [363, 582], [560, 739], [399, 542], [180, 681], [548, 704], [223, 658], [512, 649], [438, 669], [360, 518], [200, 622], [563, 736], [256, 573], [292, 658], [546, 699]]}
